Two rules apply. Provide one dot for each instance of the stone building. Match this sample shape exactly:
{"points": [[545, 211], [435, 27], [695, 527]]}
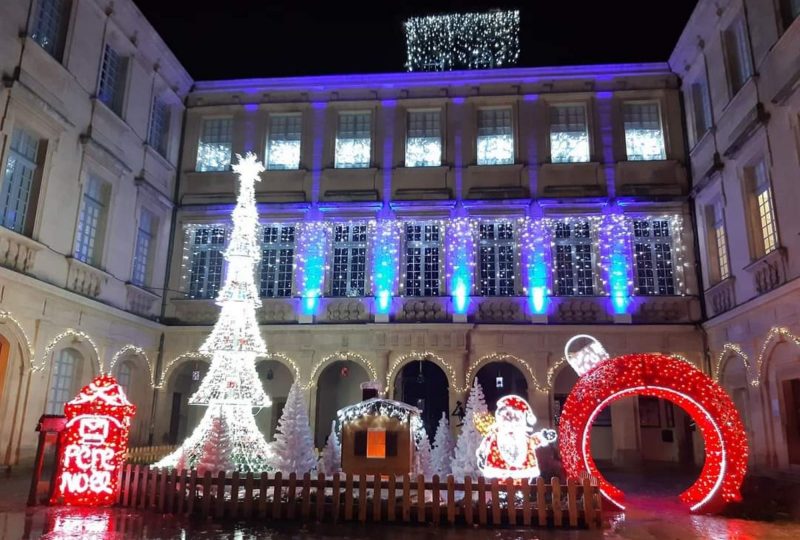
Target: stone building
{"points": [[419, 229], [740, 66]]}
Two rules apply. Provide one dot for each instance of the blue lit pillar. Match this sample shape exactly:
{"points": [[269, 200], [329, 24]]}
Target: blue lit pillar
{"points": [[616, 251], [312, 247], [385, 265], [460, 264], [535, 254]]}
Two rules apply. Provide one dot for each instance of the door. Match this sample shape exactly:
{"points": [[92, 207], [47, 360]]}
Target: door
{"points": [[791, 400], [175, 417]]}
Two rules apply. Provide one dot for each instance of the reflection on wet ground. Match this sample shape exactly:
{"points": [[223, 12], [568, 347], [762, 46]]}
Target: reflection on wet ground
{"points": [[649, 516]]}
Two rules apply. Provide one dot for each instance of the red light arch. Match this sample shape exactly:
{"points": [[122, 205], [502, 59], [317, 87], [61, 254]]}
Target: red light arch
{"points": [[675, 380]]}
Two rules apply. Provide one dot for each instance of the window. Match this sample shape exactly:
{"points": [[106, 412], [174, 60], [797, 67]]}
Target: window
{"points": [[62, 380], [718, 243], [353, 140], [761, 209], [143, 254], [569, 135], [701, 109], [349, 272], [283, 146], [644, 139], [214, 150], [653, 254], [49, 25], [574, 259], [158, 137], [495, 139], [737, 54], [92, 222], [205, 261], [20, 183], [124, 373], [424, 140], [376, 444], [497, 259], [112, 79], [277, 261], [423, 249]]}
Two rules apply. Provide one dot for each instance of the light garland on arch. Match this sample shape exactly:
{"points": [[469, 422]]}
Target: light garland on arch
{"points": [[283, 359], [337, 356], [415, 356], [136, 351], [774, 332], [188, 355], [67, 333], [476, 366], [7, 316]]}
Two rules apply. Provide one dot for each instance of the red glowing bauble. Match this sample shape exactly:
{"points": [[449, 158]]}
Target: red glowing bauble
{"points": [[93, 445], [679, 382]]}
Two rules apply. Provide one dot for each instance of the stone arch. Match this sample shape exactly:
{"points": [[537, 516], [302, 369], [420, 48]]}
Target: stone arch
{"points": [[176, 362], [523, 366], [77, 336], [132, 351], [285, 360], [334, 357], [12, 329], [776, 336], [728, 352], [400, 362]]}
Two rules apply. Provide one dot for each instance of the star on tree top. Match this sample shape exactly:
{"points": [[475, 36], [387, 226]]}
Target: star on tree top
{"points": [[248, 167]]}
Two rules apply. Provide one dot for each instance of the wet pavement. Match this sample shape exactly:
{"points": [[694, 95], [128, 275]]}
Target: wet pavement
{"points": [[650, 516]]}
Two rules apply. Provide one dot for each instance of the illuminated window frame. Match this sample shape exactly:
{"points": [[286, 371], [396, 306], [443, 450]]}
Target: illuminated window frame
{"points": [[644, 131], [423, 259], [215, 144], [277, 260], [497, 258], [349, 260], [353, 140], [113, 77], [205, 261], [762, 209], [569, 133], [92, 221], [20, 182], [158, 135], [654, 257], [62, 380], [144, 250], [495, 141], [376, 444], [424, 138], [574, 259], [717, 242], [738, 59], [50, 21], [284, 141]]}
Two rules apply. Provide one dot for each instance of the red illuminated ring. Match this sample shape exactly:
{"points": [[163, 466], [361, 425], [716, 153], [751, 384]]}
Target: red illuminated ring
{"points": [[680, 382]]}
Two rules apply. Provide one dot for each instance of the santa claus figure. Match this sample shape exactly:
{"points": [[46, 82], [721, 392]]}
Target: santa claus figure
{"points": [[508, 449]]}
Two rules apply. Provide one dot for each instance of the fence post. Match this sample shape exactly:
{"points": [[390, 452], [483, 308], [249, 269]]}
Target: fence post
{"points": [[406, 498], [291, 498], [142, 487], [192, 492], [588, 504], [262, 495], [526, 503], [277, 494], [451, 503], [234, 500], [467, 500], [248, 495], [320, 496], [482, 510], [348, 497], [555, 485], [420, 499], [219, 510], [541, 501], [336, 498], [362, 498], [126, 487], [511, 501], [435, 500], [305, 504], [377, 498], [496, 514], [206, 507], [572, 503], [153, 484], [391, 499]]}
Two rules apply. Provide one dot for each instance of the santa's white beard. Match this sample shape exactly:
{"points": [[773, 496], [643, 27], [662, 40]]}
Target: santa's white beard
{"points": [[513, 448]]}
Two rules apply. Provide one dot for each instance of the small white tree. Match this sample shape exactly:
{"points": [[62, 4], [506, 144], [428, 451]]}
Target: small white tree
{"points": [[331, 460], [465, 463], [215, 456], [422, 461], [293, 449], [442, 454]]}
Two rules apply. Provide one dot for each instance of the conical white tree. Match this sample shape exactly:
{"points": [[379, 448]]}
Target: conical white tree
{"points": [[293, 448], [465, 462], [330, 461], [231, 388], [422, 458], [442, 454]]}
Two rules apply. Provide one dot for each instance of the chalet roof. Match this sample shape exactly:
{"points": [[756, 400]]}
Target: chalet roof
{"points": [[377, 406]]}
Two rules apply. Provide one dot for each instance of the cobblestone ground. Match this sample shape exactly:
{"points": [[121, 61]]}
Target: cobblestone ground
{"points": [[650, 516]]}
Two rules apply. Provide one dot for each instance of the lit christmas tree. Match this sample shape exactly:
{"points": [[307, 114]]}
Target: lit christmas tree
{"points": [[231, 389], [330, 462], [442, 448], [465, 462], [293, 449], [423, 464]]}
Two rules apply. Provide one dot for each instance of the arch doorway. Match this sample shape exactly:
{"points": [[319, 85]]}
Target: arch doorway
{"points": [[664, 377], [276, 380], [424, 385], [134, 378], [500, 379], [339, 385], [184, 417]]}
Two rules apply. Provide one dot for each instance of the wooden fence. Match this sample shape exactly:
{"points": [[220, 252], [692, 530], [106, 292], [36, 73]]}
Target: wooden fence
{"points": [[347, 498], [148, 454]]}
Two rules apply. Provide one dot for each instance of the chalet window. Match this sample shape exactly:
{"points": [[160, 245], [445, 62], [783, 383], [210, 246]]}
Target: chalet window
{"points": [[376, 444], [360, 443]]}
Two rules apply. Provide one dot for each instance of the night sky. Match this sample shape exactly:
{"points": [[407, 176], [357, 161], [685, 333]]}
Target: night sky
{"points": [[272, 38]]}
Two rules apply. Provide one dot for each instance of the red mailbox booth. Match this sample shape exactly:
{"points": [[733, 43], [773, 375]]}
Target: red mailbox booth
{"points": [[93, 445]]}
